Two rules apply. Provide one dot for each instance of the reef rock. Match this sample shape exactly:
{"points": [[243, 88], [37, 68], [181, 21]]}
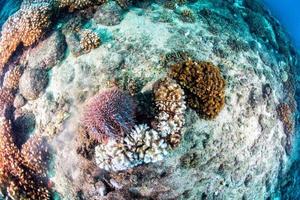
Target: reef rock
{"points": [[244, 151], [33, 82]]}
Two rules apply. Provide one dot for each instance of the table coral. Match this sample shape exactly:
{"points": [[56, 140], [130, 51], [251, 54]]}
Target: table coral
{"points": [[203, 84], [17, 180]]}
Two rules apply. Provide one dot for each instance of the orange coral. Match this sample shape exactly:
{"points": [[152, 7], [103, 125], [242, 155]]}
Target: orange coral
{"points": [[204, 86], [19, 181], [11, 81], [89, 40], [25, 26], [6, 98]]}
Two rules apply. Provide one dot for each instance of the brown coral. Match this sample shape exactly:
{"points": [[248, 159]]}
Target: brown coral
{"points": [[25, 26], [89, 40], [170, 103], [17, 181], [78, 4], [285, 115], [204, 86], [11, 81], [6, 98]]}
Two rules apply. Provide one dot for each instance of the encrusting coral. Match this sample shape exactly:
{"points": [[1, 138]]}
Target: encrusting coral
{"points": [[111, 113], [17, 179], [144, 144], [25, 26], [203, 84], [89, 40]]}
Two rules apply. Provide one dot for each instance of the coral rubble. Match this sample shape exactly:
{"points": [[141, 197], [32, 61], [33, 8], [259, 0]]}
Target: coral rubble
{"points": [[204, 86]]}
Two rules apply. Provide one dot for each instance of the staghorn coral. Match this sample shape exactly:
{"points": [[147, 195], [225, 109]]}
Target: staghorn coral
{"points": [[111, 113], [204, 86], [169, 100], [17, 180], [25, 26], [144, 144], [11, 81], [89, 40]]}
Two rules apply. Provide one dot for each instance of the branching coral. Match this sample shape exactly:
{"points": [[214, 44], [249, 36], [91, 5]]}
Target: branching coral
{"points": [[25, 26], [204, 86], [11, 81], [169, 100], [17, 180], [111, 113], [89, 40], [144, 144]]}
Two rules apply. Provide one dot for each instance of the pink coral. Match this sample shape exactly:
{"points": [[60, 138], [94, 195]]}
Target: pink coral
{"points": [[111, 113]]}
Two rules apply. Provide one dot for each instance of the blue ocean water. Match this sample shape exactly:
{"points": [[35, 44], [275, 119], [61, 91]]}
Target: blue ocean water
{"points": [[288, 13], [7, 8]]}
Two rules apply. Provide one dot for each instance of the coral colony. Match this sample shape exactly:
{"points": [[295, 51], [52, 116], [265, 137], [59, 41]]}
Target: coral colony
{"points": [[115, 138]]}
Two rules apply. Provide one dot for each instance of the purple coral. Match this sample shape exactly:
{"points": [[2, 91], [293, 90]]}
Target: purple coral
{"points": [[111, 113]]}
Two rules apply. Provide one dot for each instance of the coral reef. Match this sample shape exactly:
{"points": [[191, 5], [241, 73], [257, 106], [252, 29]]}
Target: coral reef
{"points": [[6, 99], [204, 86], [111, 113], [187, 15], [89, 40], [124, 3], [16, 178], [77, 4], [47, 52], [144, 144], [170, 104], [12, 79], [25, 26], [33, 82], [34, 153], [285, 115]]}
